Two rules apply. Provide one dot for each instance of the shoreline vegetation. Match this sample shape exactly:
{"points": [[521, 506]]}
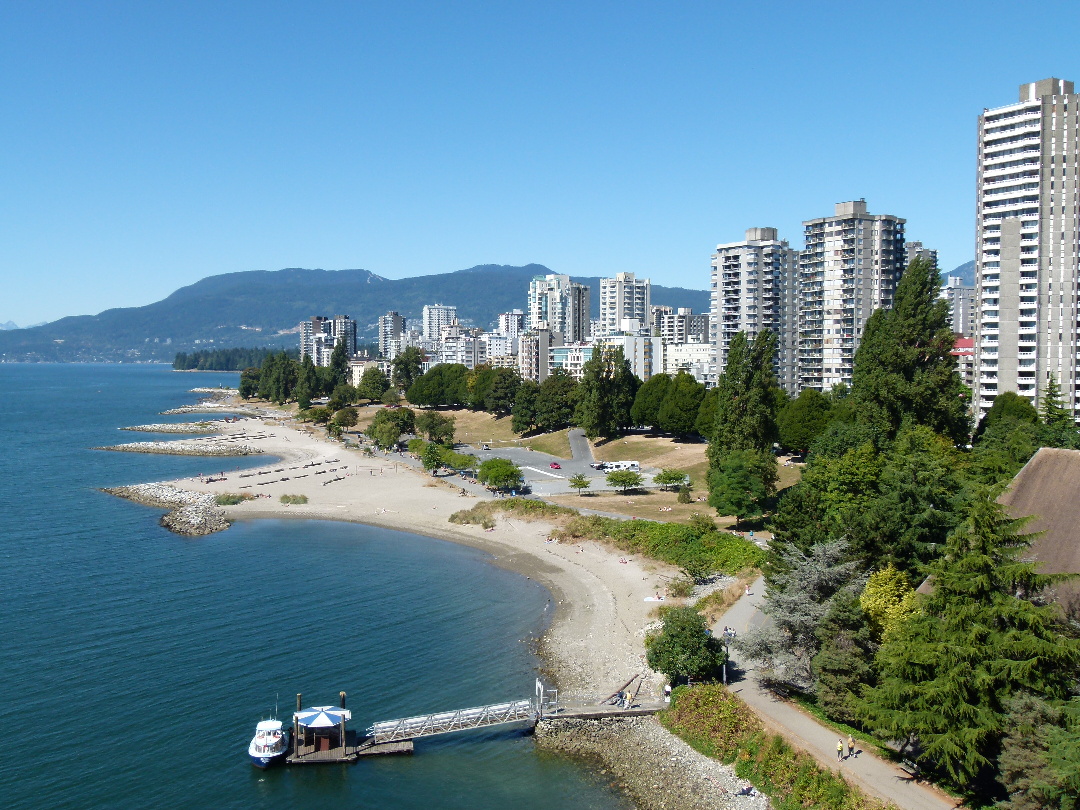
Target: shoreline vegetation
{"points": [[603, 574]]}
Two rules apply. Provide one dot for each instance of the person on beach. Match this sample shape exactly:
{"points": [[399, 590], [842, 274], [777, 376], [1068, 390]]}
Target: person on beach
{"points": [[840, 750], [850, 745]]}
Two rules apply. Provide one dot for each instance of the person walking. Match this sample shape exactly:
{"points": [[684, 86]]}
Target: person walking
{"points": [[850, 745], [840, 749]]}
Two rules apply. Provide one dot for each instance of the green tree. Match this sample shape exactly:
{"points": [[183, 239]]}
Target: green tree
{"points": [[502, 394], [741, 484], [904, 369], [976, 641], [670, 479], [307, 383], [431, 457], [373, 384], [555, 401], [1010, 406], [406, 367], [705, 424], [500, 473], [346, 417], [624, 479], [339, 365], [888, 600], [745, 419], [679, 410], [606, 394], [438, 428], [343, 394], [844, 664], [1058, 427], [804, 419], [683, 647], [249, 382], [1036, 770], [524, 412], [646, 408], [580, 482], [389, 425]]}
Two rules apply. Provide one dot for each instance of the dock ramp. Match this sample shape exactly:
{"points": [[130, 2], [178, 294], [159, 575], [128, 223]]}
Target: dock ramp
{"points": [[426, 725]]}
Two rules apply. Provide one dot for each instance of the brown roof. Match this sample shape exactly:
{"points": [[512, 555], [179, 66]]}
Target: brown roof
{"points": [[1048, 489]]}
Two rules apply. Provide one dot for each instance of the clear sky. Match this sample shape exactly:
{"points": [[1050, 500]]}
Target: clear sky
{"points": [[146, 145]]}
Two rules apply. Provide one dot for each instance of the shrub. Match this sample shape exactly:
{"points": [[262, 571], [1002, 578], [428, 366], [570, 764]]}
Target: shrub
{"points": [[232, 498], [289, 500], [684, 494]]}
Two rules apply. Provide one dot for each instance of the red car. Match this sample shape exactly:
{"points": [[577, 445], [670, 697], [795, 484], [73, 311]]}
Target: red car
{"points": [[555, 466]]}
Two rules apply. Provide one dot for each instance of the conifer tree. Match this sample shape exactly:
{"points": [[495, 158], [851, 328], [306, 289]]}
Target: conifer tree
{"points": [[307, 383], [904, 369], [1058, 427], [976, 641], [339, 365], [606, 394]]}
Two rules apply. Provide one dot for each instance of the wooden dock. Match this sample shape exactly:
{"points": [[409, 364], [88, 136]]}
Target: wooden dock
{"points": [[352, 750]]}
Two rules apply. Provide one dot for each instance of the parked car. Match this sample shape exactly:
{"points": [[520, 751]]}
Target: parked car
{"points": [[555, 466]]}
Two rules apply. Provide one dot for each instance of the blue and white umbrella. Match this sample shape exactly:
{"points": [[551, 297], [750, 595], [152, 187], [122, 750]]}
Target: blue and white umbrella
{"points": [[322, 717]]}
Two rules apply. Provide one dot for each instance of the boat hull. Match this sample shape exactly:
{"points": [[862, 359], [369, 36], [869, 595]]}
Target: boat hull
{"points": [[268, 760]]}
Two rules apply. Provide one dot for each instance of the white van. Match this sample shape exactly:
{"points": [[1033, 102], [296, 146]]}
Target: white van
{"points": [[633, 466]]}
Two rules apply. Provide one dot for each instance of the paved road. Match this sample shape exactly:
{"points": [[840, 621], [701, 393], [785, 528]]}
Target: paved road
{"points": [[874, 775], [580, 448]]}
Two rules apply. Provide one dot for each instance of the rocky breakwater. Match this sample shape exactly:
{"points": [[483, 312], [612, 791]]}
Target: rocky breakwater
{"points": [[183, 447], [178, 427], [193, 514], [215, 407], [654, 767]]}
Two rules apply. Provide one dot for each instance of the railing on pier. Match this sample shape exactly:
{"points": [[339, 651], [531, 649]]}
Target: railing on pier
{"points": [[425, 725]]}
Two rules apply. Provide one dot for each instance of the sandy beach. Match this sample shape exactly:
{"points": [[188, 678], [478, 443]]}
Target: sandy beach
{"points": [[594, 643]]}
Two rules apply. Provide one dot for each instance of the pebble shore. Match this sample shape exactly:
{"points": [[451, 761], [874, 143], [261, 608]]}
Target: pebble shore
{"points": [[657, 770], [185, 448], [193, 514]]}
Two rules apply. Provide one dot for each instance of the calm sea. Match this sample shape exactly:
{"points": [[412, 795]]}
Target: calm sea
{"points": [[135, 663]]}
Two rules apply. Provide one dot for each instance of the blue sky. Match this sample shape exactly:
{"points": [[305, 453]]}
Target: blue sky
{"points": [[146, 145]]}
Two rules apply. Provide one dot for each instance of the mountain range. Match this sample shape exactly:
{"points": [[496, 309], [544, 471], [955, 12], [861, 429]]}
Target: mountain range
{"points": [[264, 308]]}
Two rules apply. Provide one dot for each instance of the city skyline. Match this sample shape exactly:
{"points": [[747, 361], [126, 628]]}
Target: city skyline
{"points": [[150, 147]]}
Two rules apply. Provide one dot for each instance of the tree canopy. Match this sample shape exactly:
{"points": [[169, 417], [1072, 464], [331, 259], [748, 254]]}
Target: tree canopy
{"points": [[606, 394], [683, 647]]}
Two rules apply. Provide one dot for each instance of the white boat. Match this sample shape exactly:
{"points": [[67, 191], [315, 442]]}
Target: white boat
{"points": [[270, 745]]}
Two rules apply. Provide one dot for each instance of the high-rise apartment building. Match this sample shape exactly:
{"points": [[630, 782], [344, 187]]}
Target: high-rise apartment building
{"points": [[560, 305], [961, 298], [391, 330], [511, 323], [437, 317], [319, 336], [916, 250], [624, 298], [848, 269], [1027, 246], [681, 327], [755, 287]]}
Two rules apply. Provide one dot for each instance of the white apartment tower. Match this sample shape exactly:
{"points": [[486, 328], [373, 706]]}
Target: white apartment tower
{"points": [[436, 317], [560, 305], [755, 287], [391, 330], [319, 336], [624, 298], [1027, 246], [848, 269]]}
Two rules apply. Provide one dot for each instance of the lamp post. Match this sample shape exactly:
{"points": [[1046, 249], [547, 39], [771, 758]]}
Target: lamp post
{"points": [[727, 654]]}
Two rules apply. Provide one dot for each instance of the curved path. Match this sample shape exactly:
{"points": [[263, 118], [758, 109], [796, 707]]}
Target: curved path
{"points": [[872, 774]]}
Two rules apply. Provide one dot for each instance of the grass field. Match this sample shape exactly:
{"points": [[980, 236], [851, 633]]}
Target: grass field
{"points": [[644, 505], [555, 444]]}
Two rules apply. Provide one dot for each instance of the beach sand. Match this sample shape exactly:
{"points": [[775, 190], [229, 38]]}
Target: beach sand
{"points": [[594, 643]]}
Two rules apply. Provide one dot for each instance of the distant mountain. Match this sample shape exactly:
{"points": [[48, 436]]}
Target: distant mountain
{"points": [[264, 308], [966, 271], [9, 325]]}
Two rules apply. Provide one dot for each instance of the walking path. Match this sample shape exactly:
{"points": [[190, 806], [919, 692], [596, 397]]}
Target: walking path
{"points": [[872, 774]]}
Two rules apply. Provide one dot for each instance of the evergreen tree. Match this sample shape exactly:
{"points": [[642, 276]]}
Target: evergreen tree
{"points": [[844, 664], [555, 401], [1010, 406], [249, 382], [678, 413], [904, 369], [339, 365], [524, 411], [1058, 427], [606, 394], [645, 412], [307, 383], [976, 641]]}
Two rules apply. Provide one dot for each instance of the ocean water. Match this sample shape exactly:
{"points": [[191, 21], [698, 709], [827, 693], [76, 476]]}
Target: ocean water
{"points": [[134, 663]]}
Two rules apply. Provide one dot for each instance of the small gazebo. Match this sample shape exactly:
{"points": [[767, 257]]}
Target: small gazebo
{"points": [[320, 728]]}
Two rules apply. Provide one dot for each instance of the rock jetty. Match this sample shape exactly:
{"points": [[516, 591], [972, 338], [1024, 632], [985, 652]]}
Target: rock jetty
{"points": [[654, 767], [224, 392], [214, 407], [185, 448], [178, 427], [193, 514]]}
